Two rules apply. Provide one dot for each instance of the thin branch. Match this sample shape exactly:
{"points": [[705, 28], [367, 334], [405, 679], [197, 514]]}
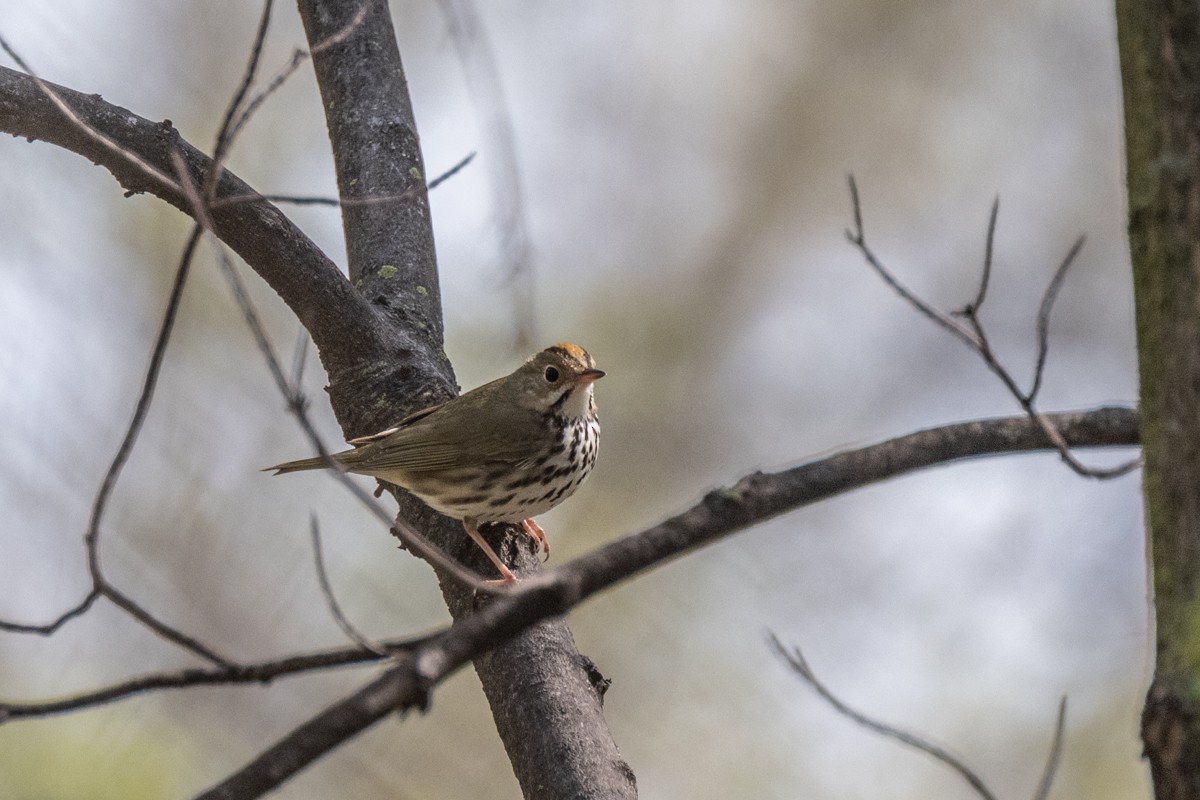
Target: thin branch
{"points": [[335, 609], [1043, 317], [974, 336], [227, 130], [83, 127], [857, 238], [972, 310], [795, 659], [285, 72], [142, 406], [299, 56], [292, 199], [799, 664], [309, 200], [1055, 755], [133, 609], [304, 277], [48, 628], [233, 674], [108, 484], [241, 296], [450, 173], [101, 587], [421, 546]]}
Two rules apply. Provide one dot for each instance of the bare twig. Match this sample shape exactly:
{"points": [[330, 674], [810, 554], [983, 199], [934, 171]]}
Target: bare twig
{"points": [[799, 664], [1043, 317], [232, 127], [450, 173], [101, 587], [46, 629], [138, 612], [292, 199], [975, 337], [227, 131], [108, 484], [299, 56], [233, 674], [285, 72], [857, 238], [305, 200], [795, 659], [427, 550], [986, 276], [1055, 755], [89, 131], [331, 601]]}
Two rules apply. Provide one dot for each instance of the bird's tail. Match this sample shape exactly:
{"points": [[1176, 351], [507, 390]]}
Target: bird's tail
{"points": [[317, 462]]}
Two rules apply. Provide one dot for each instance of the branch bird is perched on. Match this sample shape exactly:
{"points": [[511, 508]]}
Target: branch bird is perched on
{"points": [[504, 452]]}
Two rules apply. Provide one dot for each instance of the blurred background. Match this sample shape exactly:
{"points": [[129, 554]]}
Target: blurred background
{"points": [[683, 171]]}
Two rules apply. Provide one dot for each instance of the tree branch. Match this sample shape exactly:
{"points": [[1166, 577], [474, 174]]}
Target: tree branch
{"points": [[799, 664], [974, 336], [753, 499], [310, 284], [546, 711]]}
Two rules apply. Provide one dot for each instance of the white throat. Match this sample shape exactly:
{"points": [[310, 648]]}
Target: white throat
{"points": [[578, 402]]}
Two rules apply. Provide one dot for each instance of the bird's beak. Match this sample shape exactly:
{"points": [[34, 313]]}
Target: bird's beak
{"points": [[589, 375]]}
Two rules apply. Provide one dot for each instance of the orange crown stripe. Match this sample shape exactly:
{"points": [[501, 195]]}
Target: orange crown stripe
{"points": [[572, 350]]}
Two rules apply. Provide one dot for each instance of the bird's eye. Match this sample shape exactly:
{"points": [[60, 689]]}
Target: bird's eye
{"points": [[551, 374]]}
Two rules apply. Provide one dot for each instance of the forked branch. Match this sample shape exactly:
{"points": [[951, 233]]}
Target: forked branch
{"points": [[972, 333]]}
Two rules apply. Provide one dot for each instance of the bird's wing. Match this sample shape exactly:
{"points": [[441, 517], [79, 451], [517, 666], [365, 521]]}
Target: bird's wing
{"points": [[411, 418], [426, 441]]}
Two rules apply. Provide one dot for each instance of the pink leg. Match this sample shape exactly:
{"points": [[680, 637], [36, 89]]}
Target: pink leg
{"points": [[533, 529], [472, 528]]}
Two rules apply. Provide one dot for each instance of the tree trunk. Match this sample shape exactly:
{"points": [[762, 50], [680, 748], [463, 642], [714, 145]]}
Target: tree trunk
{"points": [[1160, 70], [544, 696]]}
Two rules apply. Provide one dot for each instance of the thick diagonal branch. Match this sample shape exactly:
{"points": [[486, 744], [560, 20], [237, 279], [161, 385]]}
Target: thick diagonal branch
{"points": [[751, 500]]}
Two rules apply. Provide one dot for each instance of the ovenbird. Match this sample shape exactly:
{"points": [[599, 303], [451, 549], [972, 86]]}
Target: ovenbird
{"points": [[503, 452]]}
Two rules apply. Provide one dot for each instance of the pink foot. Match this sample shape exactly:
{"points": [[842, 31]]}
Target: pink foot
{"points": [[472, 528], [533, 529]]}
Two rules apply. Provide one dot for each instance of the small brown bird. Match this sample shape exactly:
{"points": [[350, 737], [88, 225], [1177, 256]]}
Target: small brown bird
{"points": [[503, 452]]}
